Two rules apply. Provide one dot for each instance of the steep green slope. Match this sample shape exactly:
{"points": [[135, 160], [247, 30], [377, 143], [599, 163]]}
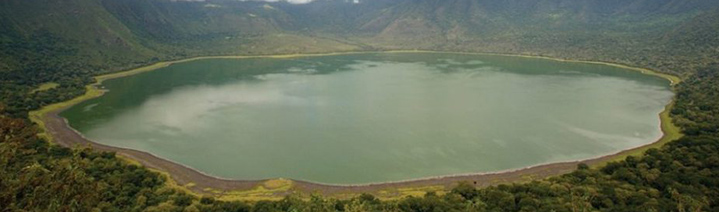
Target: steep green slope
{"points": [[600, 30], [182, 22], [62, 42], [108, 34], [220, 27], [83, 28], [616, 31]]}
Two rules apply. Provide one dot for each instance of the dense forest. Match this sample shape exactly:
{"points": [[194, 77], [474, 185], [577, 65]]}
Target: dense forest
{"points": [[65, 43]]}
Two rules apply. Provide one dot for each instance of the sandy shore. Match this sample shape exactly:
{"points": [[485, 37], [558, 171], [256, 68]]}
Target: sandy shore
{"points": [[59, 132]]}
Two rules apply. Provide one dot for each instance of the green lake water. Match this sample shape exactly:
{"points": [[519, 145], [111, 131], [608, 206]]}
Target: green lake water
{"points": [[375, 117]]}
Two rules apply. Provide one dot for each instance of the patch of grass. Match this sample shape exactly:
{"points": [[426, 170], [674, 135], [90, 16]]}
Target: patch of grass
{"points": [[268, 190], [189, 185], [402, 192], [172, 184], [45, 86]]}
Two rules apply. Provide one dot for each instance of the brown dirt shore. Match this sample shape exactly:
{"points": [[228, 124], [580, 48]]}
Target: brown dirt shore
{"points": [[203, 184]]}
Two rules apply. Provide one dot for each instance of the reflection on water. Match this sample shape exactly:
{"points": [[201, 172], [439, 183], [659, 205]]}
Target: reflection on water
{"points": [[374, 117]]}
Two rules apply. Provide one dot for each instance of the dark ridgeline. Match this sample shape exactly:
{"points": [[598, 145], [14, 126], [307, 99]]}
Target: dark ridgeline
{"points": [[69, 41]]}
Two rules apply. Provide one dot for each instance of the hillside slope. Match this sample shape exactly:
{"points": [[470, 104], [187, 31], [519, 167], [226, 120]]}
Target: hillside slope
{"points": [[111, 35]]}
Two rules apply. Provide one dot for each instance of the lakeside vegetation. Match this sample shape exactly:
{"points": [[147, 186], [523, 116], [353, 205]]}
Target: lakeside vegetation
{"points": [[38, 176]]}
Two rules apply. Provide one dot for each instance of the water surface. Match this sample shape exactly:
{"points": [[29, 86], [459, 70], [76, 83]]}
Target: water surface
{"points": [[374, 117]]}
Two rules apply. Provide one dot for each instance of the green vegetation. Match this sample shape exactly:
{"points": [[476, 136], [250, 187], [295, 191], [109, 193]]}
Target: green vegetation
{"points": [[70, 41]]}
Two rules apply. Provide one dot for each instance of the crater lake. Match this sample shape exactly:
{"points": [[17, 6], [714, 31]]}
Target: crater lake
{"points": [[375, 117]]}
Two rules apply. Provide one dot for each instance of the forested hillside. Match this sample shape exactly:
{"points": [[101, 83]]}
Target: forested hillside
{"points": [[50, 49]]}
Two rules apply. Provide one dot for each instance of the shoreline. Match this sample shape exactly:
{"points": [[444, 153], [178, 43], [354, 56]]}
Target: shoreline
{"points": [[57, 131]]}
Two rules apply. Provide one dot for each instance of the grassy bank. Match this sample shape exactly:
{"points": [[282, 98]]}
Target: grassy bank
{"points": [[670, 132]]}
